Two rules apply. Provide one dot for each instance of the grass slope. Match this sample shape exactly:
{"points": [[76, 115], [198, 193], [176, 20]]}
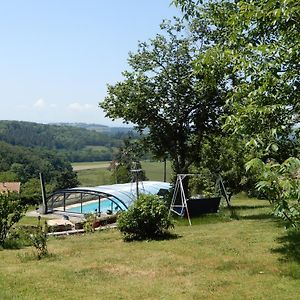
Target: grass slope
{"points": [[216, 258]]}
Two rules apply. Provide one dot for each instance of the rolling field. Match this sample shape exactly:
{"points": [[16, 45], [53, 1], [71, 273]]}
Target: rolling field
{"points": [[251, 257], [96, 173], [90, 165], [93, 173]]}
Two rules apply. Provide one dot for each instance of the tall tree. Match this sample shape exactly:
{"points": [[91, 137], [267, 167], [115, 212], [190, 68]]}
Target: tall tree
{"points": [[162, 95], [261, 39]]}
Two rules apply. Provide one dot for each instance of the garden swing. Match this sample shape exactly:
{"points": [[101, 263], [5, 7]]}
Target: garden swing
{"points": [[179, 205]]}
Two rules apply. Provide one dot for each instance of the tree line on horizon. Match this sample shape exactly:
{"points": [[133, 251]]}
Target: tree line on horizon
{"points": [[27, 149]]}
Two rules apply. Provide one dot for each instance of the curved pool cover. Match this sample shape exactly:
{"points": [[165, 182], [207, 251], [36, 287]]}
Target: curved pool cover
{"points": [[103, 198]]}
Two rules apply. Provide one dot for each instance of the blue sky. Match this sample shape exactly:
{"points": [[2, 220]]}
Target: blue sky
{"points": [[57, 56]]}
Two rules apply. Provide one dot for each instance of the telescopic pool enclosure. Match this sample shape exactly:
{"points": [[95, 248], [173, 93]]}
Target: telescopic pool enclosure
{"points": [[101, 199]]}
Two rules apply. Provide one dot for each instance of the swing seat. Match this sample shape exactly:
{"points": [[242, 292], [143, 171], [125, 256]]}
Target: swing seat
{"points": [[199, 206]]}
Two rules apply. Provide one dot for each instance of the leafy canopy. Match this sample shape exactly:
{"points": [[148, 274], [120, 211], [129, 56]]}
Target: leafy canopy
{"points": [[261, 41], [162, 95]]}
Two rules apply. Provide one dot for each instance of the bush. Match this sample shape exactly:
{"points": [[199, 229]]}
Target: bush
{"points": [[280, 183], [11, 211], [39, 240], [147, 218], [17, 239]]}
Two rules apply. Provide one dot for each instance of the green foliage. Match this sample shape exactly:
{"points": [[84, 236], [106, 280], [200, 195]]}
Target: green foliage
{"points": [[74, 141], [8, 176], [221, 155], [39, 241], [33, 135], [27, 163], [17, 238], [66, 178], [11, 211], [147, 218], [126, 159], [88, 225], [27, 149], [31, 191], [203, 184], [121, 174], [165, 99], [259, 42], [24, 165], [281, 185]]}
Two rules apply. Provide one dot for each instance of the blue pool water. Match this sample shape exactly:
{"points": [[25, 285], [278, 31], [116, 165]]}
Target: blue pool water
{"points": [[91, 207]]}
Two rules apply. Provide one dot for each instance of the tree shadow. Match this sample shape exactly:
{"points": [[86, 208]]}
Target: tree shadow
{"points": [[289, 246], [163, 237], [243, 207], [261, 216]]}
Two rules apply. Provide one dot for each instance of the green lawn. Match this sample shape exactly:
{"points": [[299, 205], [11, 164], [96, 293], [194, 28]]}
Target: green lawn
{"points": [[155, 170], [216, 258], [90, 165], [94, 177]]}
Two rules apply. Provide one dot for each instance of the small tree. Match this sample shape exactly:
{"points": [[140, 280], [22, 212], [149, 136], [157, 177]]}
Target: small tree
{"points": [[39, 240], [147, 218], [127, 158], [281, 185], [11, 211]]}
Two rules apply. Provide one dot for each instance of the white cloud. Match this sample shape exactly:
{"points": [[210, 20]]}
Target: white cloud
{"points": [[40, 103], [80, 107]]}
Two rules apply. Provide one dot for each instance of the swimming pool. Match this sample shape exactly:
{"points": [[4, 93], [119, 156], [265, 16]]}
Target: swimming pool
{"points": [[86, 199], [91, 207]]}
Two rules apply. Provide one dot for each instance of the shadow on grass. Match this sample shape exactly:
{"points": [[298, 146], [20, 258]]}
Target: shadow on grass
{"points": [[163, 237], [26, 257], [259, 216], [243, 207], [289, 246], [213, 218]]}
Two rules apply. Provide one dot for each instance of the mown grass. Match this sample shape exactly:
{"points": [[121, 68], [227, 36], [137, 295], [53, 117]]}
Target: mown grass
{"points": [[90, 165], [94, 177], [155, 170], [216, 258]]}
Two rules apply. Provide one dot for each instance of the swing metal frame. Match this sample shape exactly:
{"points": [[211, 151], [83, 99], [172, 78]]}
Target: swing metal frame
{"points": [[220, 188]]}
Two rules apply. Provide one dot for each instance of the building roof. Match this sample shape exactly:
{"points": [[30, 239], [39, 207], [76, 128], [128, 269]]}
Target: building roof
{"points": [[10, 187]]}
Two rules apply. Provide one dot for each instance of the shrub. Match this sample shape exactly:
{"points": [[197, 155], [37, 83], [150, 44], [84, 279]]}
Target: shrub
{"points": [[11, 211], [17, 239], [280, 183], [147, 218], [39, 241], [88, 225]]}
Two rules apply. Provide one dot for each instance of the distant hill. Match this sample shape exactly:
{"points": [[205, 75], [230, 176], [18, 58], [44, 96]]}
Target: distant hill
{"points": [[99, 128], [27, 149], [58, 136], [78, 142]]}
